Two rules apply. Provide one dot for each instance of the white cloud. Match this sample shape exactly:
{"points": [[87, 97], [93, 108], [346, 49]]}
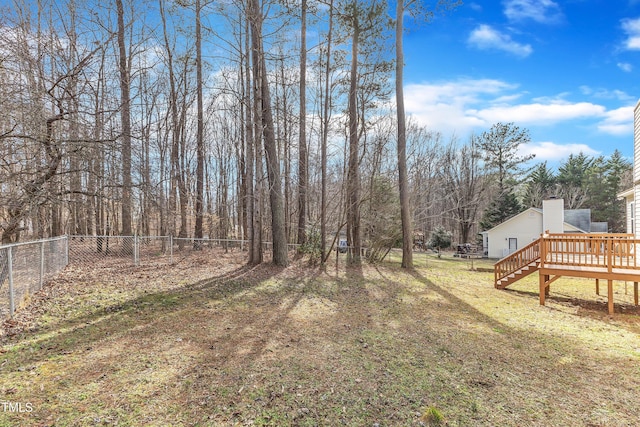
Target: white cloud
{"points": [[586, 90], [618, 121], [465, 105], [486, 37], [632, 29], [625, 66], [542, 11], [442, 105], [538, 113], [606, 93], [457, 91], [554, 152]]}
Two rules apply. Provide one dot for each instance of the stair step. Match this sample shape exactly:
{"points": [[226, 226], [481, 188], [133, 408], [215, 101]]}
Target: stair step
{"points": [[516, 275], [526, 266]]}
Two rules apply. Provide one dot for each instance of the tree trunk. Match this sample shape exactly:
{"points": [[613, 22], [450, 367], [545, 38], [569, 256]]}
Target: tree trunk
{"points": [[125, 112], [353, 173], [254, 166], [303, 180], [403, 181], [278, 231], [181, 167], [325, 141], [173, 107], [200, 130]]}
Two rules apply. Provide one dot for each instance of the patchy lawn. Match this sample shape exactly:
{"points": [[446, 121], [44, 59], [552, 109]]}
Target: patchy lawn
{"points": [[211, 342]]}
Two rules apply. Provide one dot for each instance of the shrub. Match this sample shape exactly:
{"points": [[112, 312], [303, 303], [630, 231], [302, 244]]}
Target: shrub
{"points": [[312, 246]]}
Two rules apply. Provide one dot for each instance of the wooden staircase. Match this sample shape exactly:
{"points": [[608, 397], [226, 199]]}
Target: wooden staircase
{"points": [[517, 265]]}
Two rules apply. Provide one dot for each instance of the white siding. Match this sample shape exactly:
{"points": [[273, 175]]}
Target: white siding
{"points": [[636, 143], [629, 210], [526, 227], [636, 167]]}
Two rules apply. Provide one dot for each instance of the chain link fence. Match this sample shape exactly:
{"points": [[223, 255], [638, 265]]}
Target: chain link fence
{"points": [[140, 250], [24, 267]]}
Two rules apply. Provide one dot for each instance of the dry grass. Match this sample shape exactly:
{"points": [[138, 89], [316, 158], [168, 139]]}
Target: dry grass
{"points": [[212, 342]]}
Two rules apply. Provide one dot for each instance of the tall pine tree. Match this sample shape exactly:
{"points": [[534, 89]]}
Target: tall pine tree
{"points": [[501, 147], [500, 210], [540, 185]]}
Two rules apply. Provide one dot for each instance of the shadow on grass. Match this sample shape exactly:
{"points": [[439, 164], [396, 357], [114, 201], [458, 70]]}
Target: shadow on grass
{"points": [[372, 358], [455, 301], [116, 319], [589, 308], [594, 310]]}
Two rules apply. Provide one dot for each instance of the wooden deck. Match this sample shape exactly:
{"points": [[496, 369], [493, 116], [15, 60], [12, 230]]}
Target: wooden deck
{"points": [[596, 256]]}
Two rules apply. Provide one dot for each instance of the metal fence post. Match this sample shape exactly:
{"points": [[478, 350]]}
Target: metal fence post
{"points": [[135, 250], [66, 251], [12, 304], [171, 249], [41, 265]]}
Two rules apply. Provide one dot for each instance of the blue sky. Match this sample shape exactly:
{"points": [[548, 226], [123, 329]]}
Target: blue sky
{"points": [[567, 71]]}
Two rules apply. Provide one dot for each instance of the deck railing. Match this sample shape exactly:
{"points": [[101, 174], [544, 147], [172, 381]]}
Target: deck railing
{"points": [[602, 251], [517, 260]]}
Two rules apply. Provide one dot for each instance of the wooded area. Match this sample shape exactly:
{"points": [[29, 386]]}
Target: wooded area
{"points": [[266, 121]]}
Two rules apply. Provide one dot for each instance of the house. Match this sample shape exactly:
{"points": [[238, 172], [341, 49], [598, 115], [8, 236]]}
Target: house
{"points": [[632, 194], [524, 228], [561, 252]]}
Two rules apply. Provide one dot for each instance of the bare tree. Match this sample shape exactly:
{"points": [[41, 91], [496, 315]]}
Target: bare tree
{"points": [[177, 187], [403, 180], [462, 175], [325, 115], [200, 128], [303, 180], [125, 116], [35, 134], [278, 230], [365, 23]]}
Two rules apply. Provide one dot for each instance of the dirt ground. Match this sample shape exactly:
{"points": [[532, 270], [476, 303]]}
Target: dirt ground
{"points": [[210, 341]]}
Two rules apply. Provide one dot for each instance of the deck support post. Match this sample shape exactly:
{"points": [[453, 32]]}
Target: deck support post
{"points": [[544, 288], [547, 287], [610, 295], [597, 286], [635, 293]]}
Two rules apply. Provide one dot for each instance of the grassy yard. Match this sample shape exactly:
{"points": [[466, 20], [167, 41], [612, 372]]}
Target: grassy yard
{"points": [[211, 342]]}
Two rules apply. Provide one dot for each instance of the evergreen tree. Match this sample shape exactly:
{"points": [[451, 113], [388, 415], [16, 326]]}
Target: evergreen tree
{"points": [[605, 178], [595, 188], [619, 178], [440, 238], [540, 185], [500, 210], [572, 176], [501, 145]]}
